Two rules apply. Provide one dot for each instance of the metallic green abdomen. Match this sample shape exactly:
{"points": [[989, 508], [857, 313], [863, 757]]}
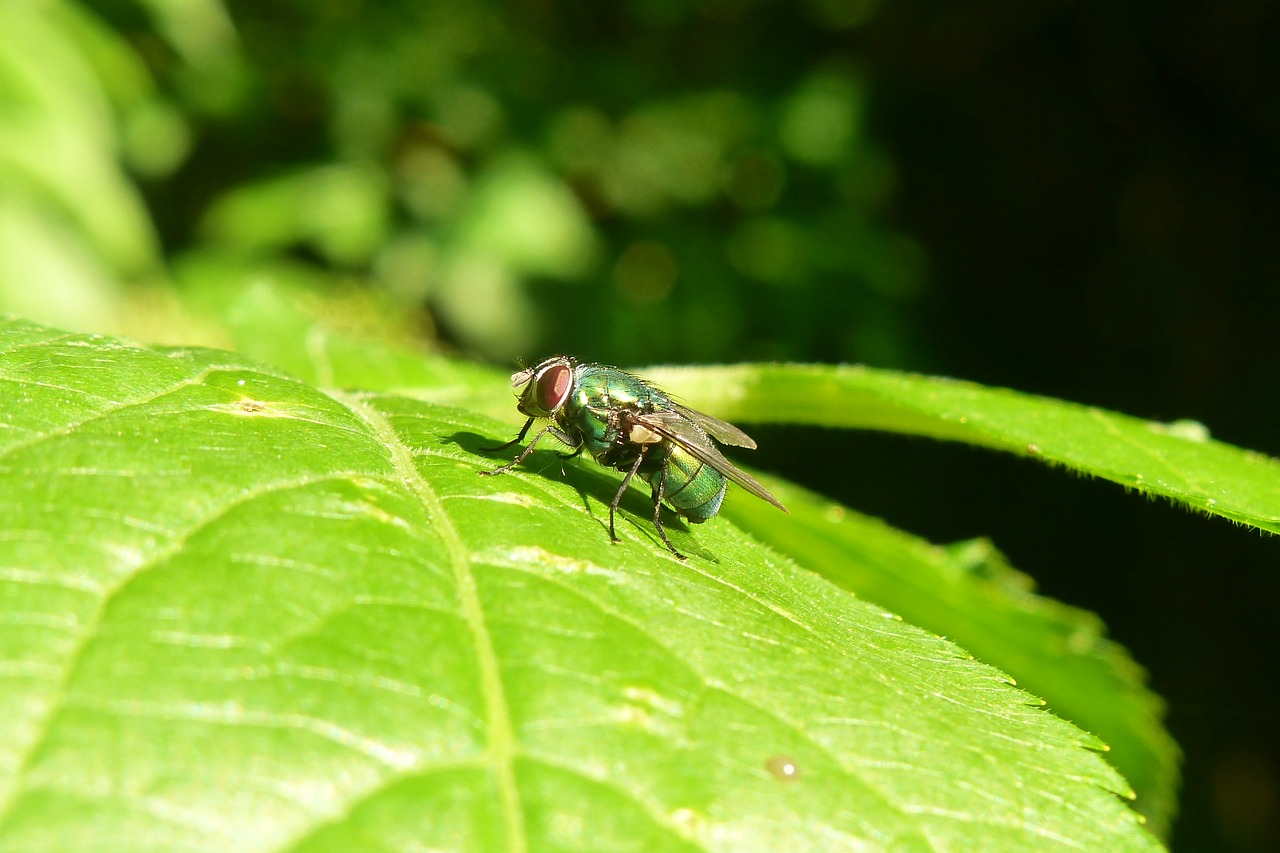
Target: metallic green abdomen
{"points": [[694, 489]]}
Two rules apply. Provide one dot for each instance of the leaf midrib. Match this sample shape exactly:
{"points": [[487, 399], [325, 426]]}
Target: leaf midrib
{"points": [[501, 741]]}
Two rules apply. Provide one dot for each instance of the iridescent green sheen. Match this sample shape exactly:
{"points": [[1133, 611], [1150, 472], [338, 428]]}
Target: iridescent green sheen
{"points": [[693, 488], [632, 426], [703, 488]]}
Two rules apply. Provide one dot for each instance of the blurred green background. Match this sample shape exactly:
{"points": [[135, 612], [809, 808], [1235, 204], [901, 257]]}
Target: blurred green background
{"points": [[1071, 199]]}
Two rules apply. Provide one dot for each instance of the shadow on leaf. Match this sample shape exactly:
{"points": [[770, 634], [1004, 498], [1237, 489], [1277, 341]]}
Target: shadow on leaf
{"points": [[588, 479]]}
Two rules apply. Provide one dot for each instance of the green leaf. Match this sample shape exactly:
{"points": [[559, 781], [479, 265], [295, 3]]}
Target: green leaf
{"points": [[341, 211], [281, 315], [966, 593], [1176, 460], [240, 613], [58, 154], [969, 594]]}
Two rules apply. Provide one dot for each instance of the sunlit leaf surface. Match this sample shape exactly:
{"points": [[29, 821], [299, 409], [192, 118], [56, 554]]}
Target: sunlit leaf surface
{"points": [[966, 593], [1176, 460], [244, 614], [969, 594]]}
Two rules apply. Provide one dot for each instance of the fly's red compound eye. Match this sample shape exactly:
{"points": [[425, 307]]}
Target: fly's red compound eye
{"points": [[553, 387]]}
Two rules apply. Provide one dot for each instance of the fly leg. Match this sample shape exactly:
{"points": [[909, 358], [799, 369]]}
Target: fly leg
{"points": [[524, 430], [565, 457], [524, 454], [659, 493], [622, 490]]}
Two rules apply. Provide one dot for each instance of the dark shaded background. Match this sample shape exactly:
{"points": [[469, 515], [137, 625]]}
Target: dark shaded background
{"points": [[1096, 186]]}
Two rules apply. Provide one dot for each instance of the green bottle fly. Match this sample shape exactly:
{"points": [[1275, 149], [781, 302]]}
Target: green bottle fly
{"points": [[629, 424]]}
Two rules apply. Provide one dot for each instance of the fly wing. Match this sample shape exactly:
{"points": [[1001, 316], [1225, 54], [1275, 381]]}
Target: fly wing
{"points": [[725, 433], [689, 434]]}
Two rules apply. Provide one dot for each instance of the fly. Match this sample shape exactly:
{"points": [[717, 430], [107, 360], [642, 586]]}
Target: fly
{"points": [[634, 427]]}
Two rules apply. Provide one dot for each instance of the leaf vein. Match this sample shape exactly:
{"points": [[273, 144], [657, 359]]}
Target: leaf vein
{"points": [[502, 741]]}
